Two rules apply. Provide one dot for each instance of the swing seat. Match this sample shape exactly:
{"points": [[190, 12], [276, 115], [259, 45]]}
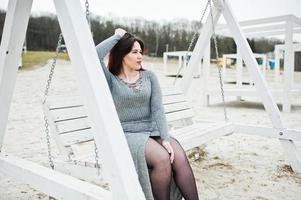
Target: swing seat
{"points": [[71, 130]]}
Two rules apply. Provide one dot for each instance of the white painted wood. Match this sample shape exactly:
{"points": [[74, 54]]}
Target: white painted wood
{"points": [[199, 137], [205, 75], [165, 63], [269, 104], [294, 135], [289, 67], [13, 35], [264, 27], [108, 133], [250, 91], [277, 64], [239, 69], [181, 61], [65, 151], [173, 99], [199, 49], [175, 116], [85, 171], [51, 182], [76, 137], [176, 107]]}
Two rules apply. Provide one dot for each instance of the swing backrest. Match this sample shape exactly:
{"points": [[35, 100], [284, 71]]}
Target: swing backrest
{"points": [[69, 123]]}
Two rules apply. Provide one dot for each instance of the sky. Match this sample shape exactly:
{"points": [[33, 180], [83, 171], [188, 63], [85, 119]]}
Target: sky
{"points": [[172, 9]]}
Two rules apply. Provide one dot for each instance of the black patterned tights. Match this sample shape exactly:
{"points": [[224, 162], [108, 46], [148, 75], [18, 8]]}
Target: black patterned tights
{"points": [[158, 161]]}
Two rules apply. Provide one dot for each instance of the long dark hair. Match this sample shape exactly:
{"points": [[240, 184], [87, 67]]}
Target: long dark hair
{"points": [[121, 49]]}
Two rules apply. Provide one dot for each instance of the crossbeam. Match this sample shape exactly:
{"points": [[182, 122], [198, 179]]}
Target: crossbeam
{"points": [[50, 182]]}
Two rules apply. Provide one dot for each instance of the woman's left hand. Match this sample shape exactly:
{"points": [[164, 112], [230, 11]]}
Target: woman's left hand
{"points": [[169, 149]]}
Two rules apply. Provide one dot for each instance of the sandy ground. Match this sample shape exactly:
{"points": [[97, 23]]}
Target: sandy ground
{"points": [[234, 167]]}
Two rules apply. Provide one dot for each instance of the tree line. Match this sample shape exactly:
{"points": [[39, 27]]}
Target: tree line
{"points": [[43, 31]]}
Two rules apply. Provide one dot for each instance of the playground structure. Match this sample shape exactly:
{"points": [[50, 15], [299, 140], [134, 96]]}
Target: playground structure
{"points": [[283, 25], [168, 71], [100, 108]]}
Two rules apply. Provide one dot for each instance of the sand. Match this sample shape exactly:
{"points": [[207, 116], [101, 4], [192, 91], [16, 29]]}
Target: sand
{"points": [[234, 167]]}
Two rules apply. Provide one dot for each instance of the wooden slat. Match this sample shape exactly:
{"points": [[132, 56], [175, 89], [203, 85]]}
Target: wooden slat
{"points": [[171, 91], [198, 138], [55, 102], [77, 137], [176, 107], [180, 115], [72, 125], [173, 99], [68, 113]]}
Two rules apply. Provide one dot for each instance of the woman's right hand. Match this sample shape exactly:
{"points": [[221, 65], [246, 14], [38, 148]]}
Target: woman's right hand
{"points": [[120, 32]]}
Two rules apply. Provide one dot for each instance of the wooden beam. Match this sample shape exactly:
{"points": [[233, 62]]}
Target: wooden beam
{"points": [[288, 67], [108, 134], [53, 183], [267, 132], [15, 25]]}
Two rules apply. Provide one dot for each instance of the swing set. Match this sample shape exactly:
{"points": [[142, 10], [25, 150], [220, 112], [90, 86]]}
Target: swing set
{"points": [[98, 105]]}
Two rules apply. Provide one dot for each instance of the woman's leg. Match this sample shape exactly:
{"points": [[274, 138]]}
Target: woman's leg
{"points": [[157, 159], [183, 173]]}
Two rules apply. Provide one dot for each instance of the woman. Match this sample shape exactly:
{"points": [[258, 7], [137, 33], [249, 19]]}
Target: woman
{"points": [[160, 161]]}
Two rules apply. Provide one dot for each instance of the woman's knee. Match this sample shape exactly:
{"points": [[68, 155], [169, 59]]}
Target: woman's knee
{"points": [[157, 156], [180, 156], [163, 161]]}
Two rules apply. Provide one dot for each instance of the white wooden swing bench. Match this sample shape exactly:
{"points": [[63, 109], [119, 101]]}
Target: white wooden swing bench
{"points": [[72, 133]]}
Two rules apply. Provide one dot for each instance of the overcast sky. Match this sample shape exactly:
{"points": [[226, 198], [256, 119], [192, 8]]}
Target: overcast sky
{"points": [[172, 9]]}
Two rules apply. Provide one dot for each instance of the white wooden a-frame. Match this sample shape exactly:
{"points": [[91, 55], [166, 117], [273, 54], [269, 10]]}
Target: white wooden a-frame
{"points": [[279, 129], [109, 137]]}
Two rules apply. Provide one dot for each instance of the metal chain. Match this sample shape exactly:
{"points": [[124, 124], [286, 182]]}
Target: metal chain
{"points": [[87, 12], [96, 159], [53, 64], [191, 44], [218, 64], [54, 59]]}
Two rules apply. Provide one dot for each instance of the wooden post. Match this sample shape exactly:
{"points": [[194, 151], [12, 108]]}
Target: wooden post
{"points": [[165, 63], [15, 25], [288, 67], [206, 76], [239, 72], [108, 132], [277, 52]]}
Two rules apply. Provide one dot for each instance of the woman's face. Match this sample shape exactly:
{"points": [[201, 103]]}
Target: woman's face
{"points": [[133, 59]]}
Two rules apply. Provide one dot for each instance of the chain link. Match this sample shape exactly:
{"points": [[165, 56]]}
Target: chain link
{"points": [[50, 76], [221, 82], [191, 44], [87, 12], [53, 64], [96, 159], [48, 143]]}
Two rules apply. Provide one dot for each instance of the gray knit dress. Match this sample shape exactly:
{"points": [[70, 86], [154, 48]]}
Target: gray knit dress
{"points": [[141, 114]]}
